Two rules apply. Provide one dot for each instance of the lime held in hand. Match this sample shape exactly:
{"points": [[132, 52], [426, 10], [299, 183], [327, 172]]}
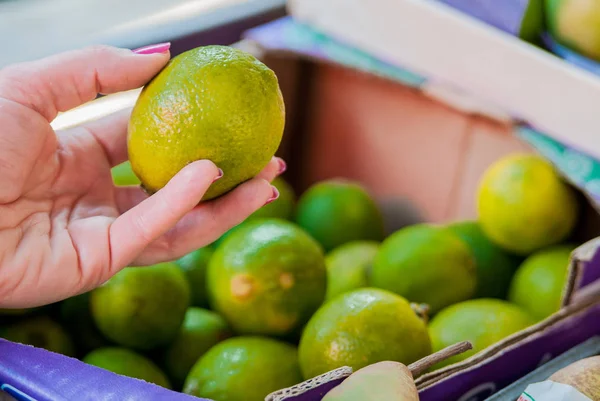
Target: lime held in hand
{"points": [[212, 102]]}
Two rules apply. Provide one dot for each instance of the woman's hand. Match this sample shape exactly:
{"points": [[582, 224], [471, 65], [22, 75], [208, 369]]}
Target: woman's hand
{"points": [[64, 227]]}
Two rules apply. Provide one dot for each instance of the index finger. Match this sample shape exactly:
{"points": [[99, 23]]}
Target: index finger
{"points": [[64, 81]]}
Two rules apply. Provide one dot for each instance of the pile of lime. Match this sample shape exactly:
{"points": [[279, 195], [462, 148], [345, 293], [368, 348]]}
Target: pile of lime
{"points": [[305, 284]]}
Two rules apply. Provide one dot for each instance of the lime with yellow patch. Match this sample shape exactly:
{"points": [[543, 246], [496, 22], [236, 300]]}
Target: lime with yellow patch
{"points": [[267, 277], [212, 102]]}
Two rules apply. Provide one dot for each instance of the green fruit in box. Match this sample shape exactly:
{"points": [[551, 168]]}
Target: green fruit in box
{"points": [[142, 307], [524, 205], [244, 369], [41, 332], [348, 267], [126, 362], [426, 264], [539, 283], [495, 267], [267, 277], [483, 322], [194, 266], [575, 24], [201, 330], [335, 212], [359, 328]]}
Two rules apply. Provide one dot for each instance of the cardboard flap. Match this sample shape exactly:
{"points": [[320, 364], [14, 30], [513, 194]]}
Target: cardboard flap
{"points": [[313, 389]]}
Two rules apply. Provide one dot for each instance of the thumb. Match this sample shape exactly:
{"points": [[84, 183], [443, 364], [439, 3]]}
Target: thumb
{"points": [[67, 80]]}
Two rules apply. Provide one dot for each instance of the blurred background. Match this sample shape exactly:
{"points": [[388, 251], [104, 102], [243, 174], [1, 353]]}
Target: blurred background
{"points": [[30, 29]]}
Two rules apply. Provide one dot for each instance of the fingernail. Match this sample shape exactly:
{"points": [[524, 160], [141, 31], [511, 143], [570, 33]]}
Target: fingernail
{"points": [[282, 165], [218, 176], [153, 49], [274, 196]]}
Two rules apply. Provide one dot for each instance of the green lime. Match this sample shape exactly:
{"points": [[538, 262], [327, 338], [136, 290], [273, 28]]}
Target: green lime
{"points": [[524, 205], [348, 267], [426, 264], [244, 369], [495, 267], [142, 307], [539, 283], [123, 175], [126, 362], [201, 330], [360, 328], [335, 212], [267, 277], [194, 266], [482, 321], [41, 332], [212, 102]]}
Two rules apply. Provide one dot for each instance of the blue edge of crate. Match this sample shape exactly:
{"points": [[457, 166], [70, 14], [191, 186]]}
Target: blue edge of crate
{"points": [[33, 374]]}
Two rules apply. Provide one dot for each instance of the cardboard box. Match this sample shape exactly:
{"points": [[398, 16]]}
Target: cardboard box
{"points": [[379, 127], [458, 52], [361, 123]]}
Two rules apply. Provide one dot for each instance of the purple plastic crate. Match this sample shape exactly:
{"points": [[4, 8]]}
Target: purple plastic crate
{"points": [[28, 373]]}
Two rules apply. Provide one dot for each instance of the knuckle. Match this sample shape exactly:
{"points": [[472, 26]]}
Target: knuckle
{"points": [[100, 52]]}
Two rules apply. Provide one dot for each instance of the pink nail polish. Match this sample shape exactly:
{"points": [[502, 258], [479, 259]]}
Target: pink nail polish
{"points": [[273, 197], [153, 49], [282, 165], [218, 176]]}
